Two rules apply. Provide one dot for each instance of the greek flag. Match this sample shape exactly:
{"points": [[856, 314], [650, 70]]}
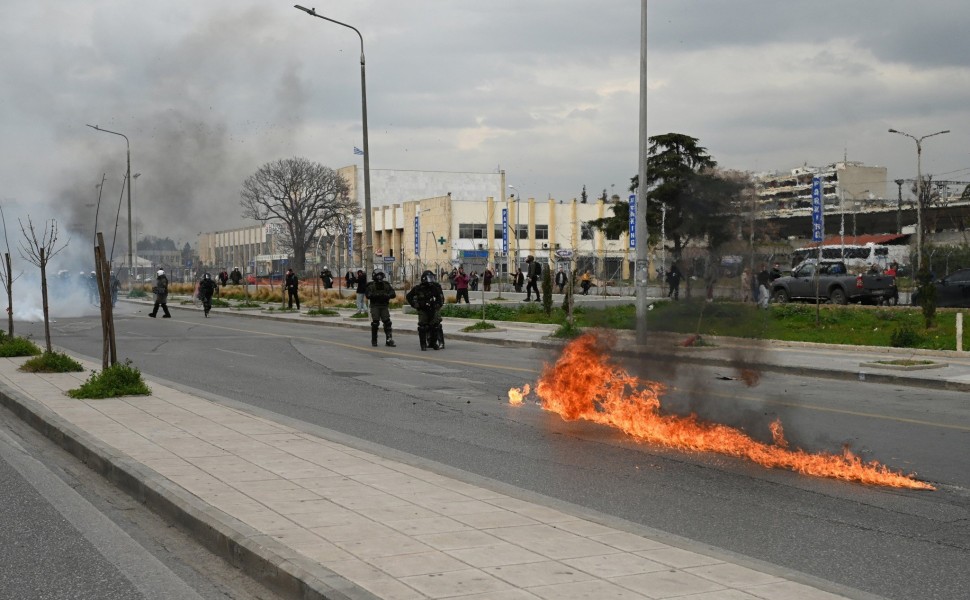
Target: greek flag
{"points": [[358, 151]]}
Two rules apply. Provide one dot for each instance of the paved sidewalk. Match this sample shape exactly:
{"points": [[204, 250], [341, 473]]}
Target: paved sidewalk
{"points": [[316, 518]]}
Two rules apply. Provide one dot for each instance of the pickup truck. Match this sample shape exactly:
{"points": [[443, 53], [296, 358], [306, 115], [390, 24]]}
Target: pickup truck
{"points": [[835, 285]]}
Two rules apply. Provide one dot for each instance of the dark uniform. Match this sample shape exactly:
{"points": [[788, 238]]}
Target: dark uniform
{"points": [[380, 293], [160, 290], [207, 287], [292, 284], [427, 298]]}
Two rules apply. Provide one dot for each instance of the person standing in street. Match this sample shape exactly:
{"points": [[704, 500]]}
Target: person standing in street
{"points": [[518, 280], [360, 280], [207, 287], [427, 298], [586, 282], [532, 278], [461, 286], [380, 293], [561, 280], [487, 279], [327, 277], [160, 289], [292, 284]]}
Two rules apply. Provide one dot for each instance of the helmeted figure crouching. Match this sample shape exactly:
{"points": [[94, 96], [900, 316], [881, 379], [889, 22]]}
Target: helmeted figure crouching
{"points": [[380, 293], [427, 298]]}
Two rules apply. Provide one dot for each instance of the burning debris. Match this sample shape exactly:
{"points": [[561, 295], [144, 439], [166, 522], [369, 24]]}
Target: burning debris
{"points": [[583, 384]]}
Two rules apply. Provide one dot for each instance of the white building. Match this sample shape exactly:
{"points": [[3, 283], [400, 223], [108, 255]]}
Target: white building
{"points": [[845, 183]]}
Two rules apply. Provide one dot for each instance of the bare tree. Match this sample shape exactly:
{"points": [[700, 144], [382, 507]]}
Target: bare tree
{"points": [[6, 272], [38, 251], [305, 196]]}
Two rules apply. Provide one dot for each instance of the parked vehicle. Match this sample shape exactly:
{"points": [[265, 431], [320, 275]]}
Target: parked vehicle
{"points": [[855, 255], [832, 282], [953, 290]]}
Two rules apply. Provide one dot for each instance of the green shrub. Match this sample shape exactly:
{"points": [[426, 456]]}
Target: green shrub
{"points": [[137, 293], [905, 336], [322, 312], [18, 346], [479, 326], [120, 379], [220, 303], [52, 362], [568, 331]]}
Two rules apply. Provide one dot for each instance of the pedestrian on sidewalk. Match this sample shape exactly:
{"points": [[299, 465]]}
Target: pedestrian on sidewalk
{"points": [[673, 280], [361, 281], [586, 281], [380, 293], [532, 278], [427, 298], [764, 280], [518, 280], [473, 281], [746, 285], [327, 277], [461, 286], [292, 284], [350, 280], [160, 289], [487, 279], [207, 287], [561, 280]]}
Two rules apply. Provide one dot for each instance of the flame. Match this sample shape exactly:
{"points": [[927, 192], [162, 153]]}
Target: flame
{"points": [[516, 396], [584, 385]]}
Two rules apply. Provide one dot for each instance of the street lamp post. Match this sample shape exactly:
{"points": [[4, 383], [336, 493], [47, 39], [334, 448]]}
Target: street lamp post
{"points": [[368, 228], [899, 206], [517, 196], [128, 181], [919, 190], [855, 211]]}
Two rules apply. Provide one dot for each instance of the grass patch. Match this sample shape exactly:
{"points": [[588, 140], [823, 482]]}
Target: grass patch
{"points": [[17, 346], [479, 326], [360, 315], [567, 331], [120, 379], [137, 293], [322, 312], [246, 305], [905, 362], [52, 362], [220, 303]]}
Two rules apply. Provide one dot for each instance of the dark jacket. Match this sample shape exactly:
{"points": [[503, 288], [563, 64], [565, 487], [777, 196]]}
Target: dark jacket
{"points": [[161, 289], [426, 297], [292, 282], [380, 293], [361, 279], [207, 287]]}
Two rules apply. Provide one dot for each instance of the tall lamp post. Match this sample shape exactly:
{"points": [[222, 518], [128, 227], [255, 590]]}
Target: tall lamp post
{"points": [[517, 196], [919, 190], [128, 181], [899, 206], [855, 211], [368, 229]]}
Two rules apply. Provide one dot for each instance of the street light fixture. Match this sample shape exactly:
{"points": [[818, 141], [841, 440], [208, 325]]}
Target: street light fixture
{"points": [[368, 229], [128, 181], [899, 206], [919, 190]]}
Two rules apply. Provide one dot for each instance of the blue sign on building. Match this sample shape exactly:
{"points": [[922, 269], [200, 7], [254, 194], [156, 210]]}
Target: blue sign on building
{"points": [[505, 230], [818, 211], [350, 240], [417, 236], [633, 220]]}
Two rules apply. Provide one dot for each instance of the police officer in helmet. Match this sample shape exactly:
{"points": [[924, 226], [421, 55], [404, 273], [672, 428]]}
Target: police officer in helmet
{"points": [[380, 293], [427, 298]]}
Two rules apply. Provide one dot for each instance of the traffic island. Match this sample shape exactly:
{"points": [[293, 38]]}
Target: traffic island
{"points": [[904, 364]]}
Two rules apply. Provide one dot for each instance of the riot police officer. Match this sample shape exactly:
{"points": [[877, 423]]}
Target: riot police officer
{"points": [[427, 298], [207, 287], [380, 293]]}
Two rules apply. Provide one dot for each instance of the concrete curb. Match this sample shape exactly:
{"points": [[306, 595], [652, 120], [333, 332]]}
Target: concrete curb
{"points": [[259, 556]]}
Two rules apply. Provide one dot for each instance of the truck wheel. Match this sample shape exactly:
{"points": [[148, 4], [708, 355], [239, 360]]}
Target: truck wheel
{"points": [[780, 297], [838, 296]]}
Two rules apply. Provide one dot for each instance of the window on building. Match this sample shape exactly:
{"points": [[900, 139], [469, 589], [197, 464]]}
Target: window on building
{"points": [[612, 236], [586, 232], [472, 231], [542, 232], [522, 232], [497, 234]]}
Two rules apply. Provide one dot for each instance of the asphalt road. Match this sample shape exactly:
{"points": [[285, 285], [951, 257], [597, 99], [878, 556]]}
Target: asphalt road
{"points": [[451, 407]]}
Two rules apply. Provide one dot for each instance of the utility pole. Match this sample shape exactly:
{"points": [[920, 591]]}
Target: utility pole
{"points": [[642, 272], [899, 206]]}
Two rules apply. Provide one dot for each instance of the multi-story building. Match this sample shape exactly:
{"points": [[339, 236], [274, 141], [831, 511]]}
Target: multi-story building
{"points": [[250, 249], [781, 194]]}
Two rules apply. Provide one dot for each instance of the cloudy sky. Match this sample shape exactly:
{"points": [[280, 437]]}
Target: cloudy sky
{"points": [[545, 89]]}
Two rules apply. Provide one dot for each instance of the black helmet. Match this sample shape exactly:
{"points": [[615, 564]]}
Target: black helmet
{"points": [[378, 275], [428, 277], [206, 276]]}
